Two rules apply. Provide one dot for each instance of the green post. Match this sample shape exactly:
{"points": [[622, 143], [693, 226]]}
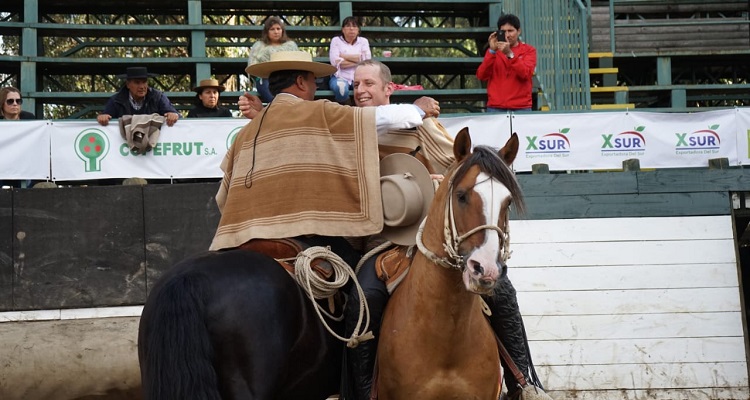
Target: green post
{"points": [[495, 11], [679, 98], [29, 48], [198, 40], [345, 10], [664, 70]]}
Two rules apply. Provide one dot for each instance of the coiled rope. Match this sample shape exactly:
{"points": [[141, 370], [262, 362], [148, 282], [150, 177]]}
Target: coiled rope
{"points": [[318, 288]]}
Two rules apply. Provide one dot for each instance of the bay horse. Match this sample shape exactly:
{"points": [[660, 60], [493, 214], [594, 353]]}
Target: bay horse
{"points": [[435, 342]]}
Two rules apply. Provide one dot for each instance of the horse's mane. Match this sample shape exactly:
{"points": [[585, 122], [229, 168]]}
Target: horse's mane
{"points": [[489, 162]]}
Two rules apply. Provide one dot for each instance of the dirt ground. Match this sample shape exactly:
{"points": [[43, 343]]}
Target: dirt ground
{"points": [[72, 359]]}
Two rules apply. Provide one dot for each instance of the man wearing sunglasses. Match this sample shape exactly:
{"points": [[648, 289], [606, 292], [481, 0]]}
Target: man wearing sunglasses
{"points": [[11, 101]]}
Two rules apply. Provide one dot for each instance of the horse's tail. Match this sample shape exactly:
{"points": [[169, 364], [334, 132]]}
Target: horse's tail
{"points": [[174, 347]]}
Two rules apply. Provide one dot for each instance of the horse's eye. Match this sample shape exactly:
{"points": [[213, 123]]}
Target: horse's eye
{"points": [[462, 197]]}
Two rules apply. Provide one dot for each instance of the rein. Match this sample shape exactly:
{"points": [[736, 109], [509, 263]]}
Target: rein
{"points": [[452, 239]]}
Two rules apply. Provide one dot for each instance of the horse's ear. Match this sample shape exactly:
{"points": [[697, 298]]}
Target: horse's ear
{"points": [[510, 150], [462, 145]]}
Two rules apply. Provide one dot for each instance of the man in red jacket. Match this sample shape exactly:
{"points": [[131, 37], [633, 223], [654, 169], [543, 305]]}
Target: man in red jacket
{"points": [[508, 67]]}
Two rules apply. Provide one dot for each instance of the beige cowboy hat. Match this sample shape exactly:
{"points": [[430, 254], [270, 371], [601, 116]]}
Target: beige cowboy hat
{"points": [[208, 83], [407, 190], [290, 60]]}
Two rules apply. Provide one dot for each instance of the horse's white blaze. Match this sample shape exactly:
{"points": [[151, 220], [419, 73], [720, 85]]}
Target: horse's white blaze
{"points": [[493, 195]]}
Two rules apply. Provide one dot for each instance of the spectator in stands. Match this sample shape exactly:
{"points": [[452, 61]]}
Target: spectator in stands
{"points": [[207, 95], [508, 68], [137, 98], [10, 109], [10, 105], [345, 52], [273, 39]]}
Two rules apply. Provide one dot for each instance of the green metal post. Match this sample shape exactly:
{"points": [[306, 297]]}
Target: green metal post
{"points": [[559, 100], [345, 10], [679, 98], [29, 48], [664, 70], [612, 25], [496, 10], [198, 40]]}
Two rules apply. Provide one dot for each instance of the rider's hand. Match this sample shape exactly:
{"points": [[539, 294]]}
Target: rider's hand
{"points": [[249, 105]]}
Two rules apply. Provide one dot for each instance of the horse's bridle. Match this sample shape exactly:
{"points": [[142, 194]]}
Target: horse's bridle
{"points": [[452, 240]]}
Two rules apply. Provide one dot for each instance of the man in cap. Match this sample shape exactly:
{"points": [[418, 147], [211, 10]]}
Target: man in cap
{"points": [[304, 167], [207, 94], [137, 98]]}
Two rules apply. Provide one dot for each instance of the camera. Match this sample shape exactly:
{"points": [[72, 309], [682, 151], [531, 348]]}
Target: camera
{"points": [[500, 36]]}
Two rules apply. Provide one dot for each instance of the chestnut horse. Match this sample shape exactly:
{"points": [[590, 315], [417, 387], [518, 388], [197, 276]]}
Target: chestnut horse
{"points": [[435, 342]]}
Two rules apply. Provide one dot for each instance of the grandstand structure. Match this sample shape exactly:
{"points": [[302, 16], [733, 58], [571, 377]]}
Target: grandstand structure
{"points": [[678, 55]]}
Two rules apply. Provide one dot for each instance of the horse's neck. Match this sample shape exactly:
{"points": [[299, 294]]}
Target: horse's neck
{"points": [[441, 291]]}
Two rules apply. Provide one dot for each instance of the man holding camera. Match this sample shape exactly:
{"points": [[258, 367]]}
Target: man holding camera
{"points": [[508, 68]]}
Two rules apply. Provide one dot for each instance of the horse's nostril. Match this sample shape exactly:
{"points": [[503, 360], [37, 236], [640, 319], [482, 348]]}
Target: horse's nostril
{"points": [[478, 268]]}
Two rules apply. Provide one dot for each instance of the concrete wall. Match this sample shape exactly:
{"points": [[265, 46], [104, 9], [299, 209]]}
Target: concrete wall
{"points": [[97, 246]]}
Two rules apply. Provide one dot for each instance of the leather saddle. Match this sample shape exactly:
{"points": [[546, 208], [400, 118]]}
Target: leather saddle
{"points": [[285, 251]]}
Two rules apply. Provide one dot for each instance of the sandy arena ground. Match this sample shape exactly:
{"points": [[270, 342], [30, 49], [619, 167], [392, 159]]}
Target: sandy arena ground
{"points": [[70, 359]]}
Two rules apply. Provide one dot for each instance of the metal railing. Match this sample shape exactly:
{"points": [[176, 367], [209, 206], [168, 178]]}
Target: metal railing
{"points": [[559, 32]]}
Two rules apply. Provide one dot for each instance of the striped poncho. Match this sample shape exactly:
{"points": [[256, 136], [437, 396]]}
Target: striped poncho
{"points": [[301, 167]]}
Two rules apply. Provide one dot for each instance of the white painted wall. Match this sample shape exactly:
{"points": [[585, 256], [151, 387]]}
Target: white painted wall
{"points": [[632, 308]]}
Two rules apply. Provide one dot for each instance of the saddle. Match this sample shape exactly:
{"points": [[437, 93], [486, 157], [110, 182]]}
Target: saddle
{"points": [[285, 251], [392, 265]]}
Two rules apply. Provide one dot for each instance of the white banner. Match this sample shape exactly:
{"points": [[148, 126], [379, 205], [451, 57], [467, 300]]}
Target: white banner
{"points": [[683, 140], [194, 148], [24, 150], [189, 149], [565, 141], [485, 129], [743, 136]]}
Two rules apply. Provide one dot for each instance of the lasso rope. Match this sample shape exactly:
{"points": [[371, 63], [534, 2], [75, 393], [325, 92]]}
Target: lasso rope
{"points": [[371, 253], [317, 288]]}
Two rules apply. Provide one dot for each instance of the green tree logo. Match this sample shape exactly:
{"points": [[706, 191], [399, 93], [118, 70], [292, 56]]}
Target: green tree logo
{"points": [[91, 146], [233, 135]]}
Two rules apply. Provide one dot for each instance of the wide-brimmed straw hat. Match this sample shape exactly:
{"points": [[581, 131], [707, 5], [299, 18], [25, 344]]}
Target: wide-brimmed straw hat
{"points": [[407, 190], [208, 83], [136, 73], [290, 60]]}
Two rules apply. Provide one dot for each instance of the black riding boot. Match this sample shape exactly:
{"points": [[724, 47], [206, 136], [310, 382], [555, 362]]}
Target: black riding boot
{"points": [[361, 359], [507, 323]]}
